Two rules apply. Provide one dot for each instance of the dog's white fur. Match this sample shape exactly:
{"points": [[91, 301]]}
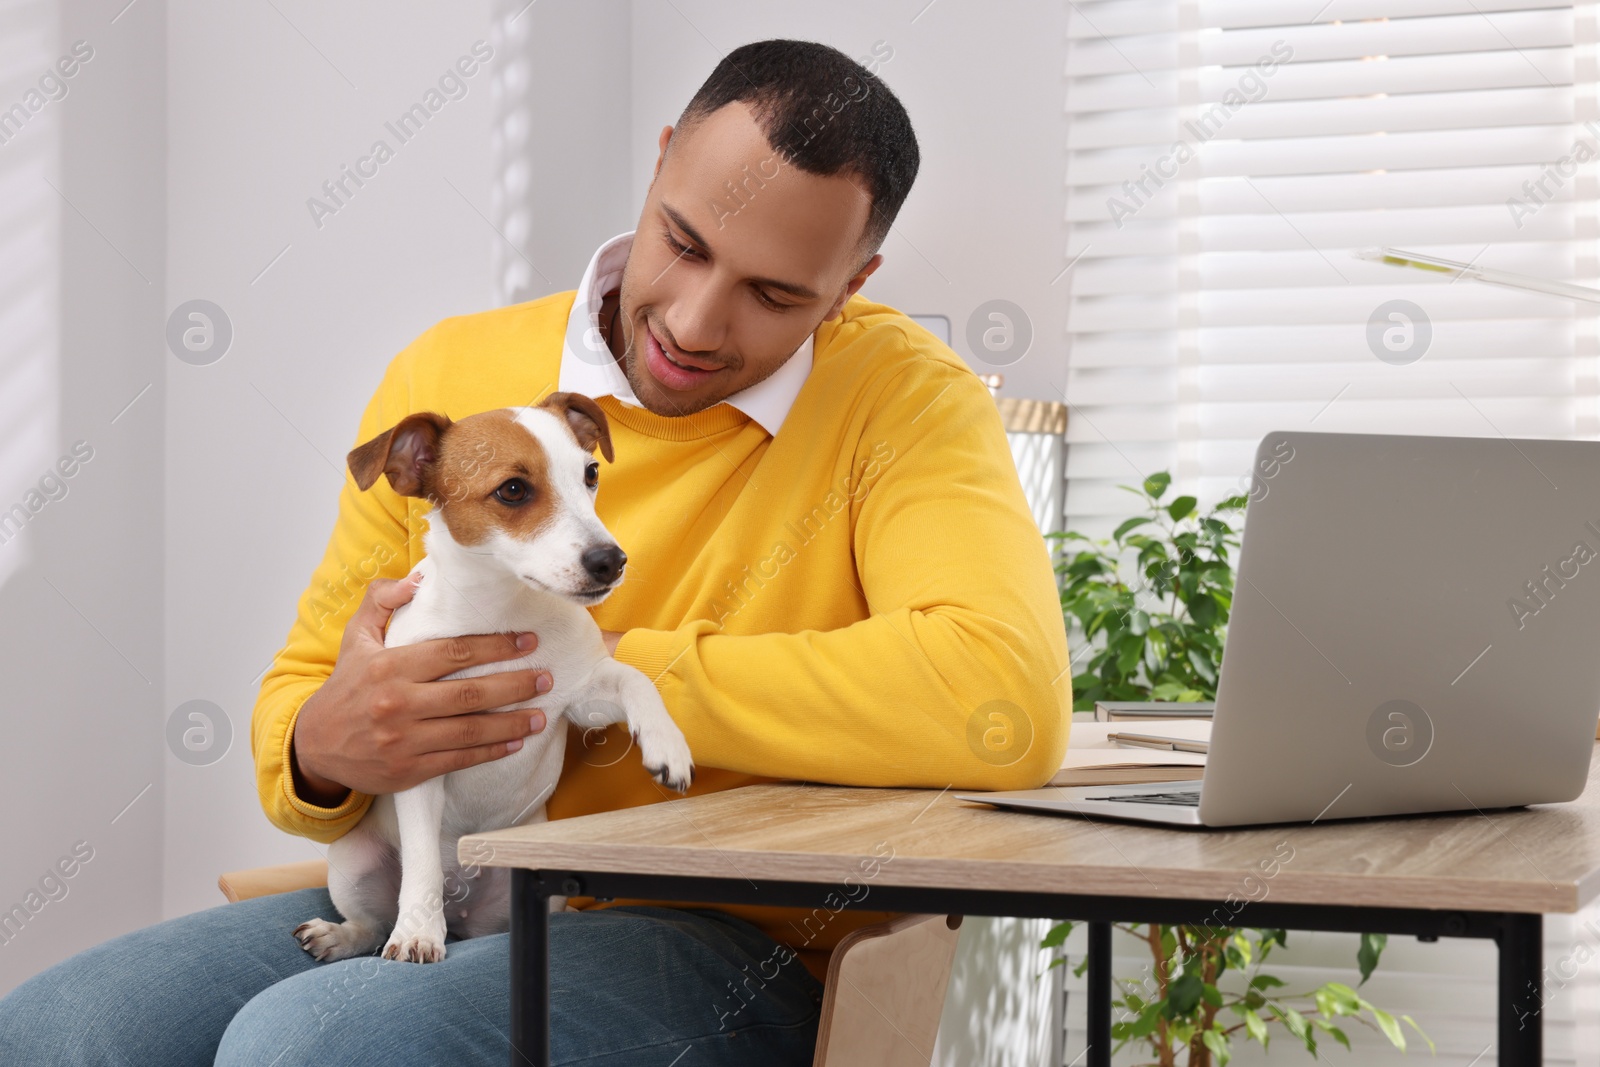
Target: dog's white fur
{"points": [[395, 876]]}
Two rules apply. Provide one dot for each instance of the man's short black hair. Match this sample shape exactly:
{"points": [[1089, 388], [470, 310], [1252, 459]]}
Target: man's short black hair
{"points": [[824, 113]]}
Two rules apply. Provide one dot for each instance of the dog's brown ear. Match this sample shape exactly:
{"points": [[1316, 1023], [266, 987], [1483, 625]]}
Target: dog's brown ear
{"points": [[403, 452], [588, 422]]}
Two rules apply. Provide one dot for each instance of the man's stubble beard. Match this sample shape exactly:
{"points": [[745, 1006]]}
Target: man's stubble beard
{"points": [[632, 371]]}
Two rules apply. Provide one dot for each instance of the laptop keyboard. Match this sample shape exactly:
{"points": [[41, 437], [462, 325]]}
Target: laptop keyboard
{"points": [[1189, 798]]}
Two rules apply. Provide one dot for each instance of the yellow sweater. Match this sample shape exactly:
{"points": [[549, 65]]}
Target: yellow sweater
{"points": [[862, 600]]}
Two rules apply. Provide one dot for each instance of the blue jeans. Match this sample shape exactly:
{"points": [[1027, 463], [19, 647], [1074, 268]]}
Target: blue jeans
{"points": [[630, 985]]}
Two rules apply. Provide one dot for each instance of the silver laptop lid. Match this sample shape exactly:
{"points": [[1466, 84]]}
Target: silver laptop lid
{"points": [[1415, 627]]}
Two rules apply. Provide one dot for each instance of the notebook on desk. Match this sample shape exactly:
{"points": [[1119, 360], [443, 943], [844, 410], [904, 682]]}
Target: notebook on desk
{"points": [[1142, 710], [1094, 759]]}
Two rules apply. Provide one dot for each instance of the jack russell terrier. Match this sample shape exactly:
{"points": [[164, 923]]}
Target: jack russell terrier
{"points": [[513, 545]]}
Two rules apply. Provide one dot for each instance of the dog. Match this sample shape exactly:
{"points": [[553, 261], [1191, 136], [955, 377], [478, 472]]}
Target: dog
{"points": [[513, 545]]}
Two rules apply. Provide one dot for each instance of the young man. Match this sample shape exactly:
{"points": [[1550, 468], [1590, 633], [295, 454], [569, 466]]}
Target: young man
{"points": [[833, 577]]}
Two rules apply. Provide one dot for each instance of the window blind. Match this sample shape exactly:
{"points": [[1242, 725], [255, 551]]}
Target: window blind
{"points": [[1226, 158]]}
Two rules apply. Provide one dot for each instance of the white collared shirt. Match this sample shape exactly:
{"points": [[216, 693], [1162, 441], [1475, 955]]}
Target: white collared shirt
{"points": [[588, 367]]}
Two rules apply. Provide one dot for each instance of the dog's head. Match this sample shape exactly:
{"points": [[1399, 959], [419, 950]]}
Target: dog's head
{"points": [[514, 484]]}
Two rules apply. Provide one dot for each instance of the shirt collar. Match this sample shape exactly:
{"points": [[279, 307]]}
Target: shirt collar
{"points": [[588, 367]]}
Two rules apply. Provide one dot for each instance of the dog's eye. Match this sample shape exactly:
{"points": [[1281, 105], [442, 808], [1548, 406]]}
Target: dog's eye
{"points": [[513, 491], [591, 475]]}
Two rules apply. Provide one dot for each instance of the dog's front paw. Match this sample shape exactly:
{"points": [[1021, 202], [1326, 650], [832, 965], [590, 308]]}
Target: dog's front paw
{"points": [[666, 755], [328, 941], [417, 948]]}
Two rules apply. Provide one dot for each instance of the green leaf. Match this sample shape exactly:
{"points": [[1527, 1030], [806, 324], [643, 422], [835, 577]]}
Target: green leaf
{"points": [[1133, 523], [1367, 956], [1390, 1028], [1211, 995], [1183, 995], [1138, 622], [1157, 484], [1329, 1028], [1341, 999], [1203, 610], [1266, 981], [1056, 936], [1217, 1042], [1148, 1020], [1420, 1032], [1256, 1028], [1129, 651], [1293, 1020], [1181, 508]]}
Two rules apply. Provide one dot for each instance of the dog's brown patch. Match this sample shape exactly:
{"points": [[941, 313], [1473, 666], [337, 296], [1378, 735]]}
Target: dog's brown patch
{"points": [[584, 419], [478, 455]]}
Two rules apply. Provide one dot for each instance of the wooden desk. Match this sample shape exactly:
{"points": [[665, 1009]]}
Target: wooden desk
{"points": [[1483, 875]]}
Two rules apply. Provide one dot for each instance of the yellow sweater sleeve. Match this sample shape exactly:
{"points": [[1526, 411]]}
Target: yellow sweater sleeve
{"points": [[960, 675], [370, 540]]}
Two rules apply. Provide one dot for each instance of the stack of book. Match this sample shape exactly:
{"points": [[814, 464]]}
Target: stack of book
{"points": [[1093, 758]]}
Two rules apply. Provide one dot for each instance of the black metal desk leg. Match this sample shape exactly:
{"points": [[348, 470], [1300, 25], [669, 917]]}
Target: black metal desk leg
{"points": [[530, 970], [1521, 941], [1099, 998]]}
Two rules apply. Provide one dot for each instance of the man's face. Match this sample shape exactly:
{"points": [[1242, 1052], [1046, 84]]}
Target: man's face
{"points": [[729, 286]]}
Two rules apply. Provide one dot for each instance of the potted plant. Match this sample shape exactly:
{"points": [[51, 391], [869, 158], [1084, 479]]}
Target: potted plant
{"points": [[1152, 602]]}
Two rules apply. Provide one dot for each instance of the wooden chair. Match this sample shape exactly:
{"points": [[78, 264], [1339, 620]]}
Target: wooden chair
{"points": [[883, 996]]}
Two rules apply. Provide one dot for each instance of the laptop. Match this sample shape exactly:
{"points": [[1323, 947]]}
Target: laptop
{"points": [[1415, 628]]}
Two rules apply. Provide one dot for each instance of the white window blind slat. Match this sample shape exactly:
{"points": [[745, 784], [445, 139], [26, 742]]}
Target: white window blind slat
{"points": [[1422, 112], [1125, 88], [1088, 52], [1147, 16]]}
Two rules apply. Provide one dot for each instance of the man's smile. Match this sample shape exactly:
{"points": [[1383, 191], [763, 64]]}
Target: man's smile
{"points": [[676, 371]]}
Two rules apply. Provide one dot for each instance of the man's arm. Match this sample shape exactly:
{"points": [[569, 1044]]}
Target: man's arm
{"points": [[959, 677]]}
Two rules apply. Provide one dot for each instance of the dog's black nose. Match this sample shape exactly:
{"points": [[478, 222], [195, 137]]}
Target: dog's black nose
{"points": [[605, 563]]}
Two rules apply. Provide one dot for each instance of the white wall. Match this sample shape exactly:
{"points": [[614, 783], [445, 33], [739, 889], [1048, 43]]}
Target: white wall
{"points": [[81, 271]]}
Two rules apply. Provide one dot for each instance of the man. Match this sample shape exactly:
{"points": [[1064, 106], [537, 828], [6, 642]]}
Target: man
{"points": [[833, 577]]}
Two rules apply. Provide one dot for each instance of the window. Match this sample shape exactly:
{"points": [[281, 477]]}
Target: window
{"points": [[1227, 157]]}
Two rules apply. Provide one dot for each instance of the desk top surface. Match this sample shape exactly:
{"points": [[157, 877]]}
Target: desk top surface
{"points": [[1540, 859]]}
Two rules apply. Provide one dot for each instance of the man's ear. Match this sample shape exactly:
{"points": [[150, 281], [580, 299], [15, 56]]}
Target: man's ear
{"points": [[588, 423], [854, 284], [404, 453], [661, 149]]}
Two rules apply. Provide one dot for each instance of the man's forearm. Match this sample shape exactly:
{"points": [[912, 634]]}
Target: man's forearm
{"points": [[904, 698]]}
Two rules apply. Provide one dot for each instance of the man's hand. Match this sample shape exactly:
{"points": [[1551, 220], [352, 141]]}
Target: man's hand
{"points": [[383, 722]]}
